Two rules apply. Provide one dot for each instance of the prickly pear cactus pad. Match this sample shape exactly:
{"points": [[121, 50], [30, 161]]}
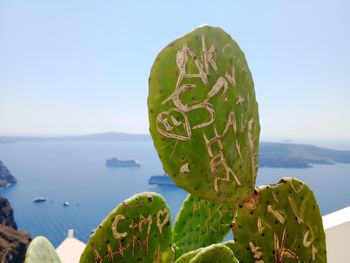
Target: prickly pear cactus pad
{"points": [[204, 116], [138, 230], [213, 254], [200, 223], [231, 244], [280, 223], [210, 254], [40, 250], [185, 258]]}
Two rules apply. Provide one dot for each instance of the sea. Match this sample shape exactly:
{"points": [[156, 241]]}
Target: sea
{"points": [[75, 172]]}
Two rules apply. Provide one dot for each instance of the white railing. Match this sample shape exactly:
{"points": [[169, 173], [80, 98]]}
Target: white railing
{"points": [[337, 228]]}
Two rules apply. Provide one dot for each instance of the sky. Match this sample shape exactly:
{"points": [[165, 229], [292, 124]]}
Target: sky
{"points": [[79, 67]]}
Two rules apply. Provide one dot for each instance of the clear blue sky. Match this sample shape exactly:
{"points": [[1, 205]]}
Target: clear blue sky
{"points": [[77, 67]]}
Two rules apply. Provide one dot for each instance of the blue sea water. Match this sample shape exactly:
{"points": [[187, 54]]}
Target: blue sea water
{"points": [[75, 171]]}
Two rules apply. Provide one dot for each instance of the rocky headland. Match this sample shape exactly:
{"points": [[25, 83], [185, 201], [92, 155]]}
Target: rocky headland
{"points": [[6, 178], [13, 243]]}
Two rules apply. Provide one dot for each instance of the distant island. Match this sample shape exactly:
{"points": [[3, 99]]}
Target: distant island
{"points": [[271, 154], [288, 155], [6, 178]]}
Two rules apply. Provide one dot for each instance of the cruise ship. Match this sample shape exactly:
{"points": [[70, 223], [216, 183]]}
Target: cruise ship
{"points": [[115, 162], [160, 180]]}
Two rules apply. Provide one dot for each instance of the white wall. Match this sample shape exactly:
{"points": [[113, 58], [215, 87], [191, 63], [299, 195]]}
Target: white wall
{"points": [[337, 228]]}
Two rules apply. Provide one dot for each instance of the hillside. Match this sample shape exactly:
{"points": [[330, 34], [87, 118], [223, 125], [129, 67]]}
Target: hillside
{"points": [[298, 155], [286, 155]]}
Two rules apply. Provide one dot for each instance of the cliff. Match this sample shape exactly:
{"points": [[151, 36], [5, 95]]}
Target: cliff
{"points": [[13, 243], [6, 214], [6, 178]]}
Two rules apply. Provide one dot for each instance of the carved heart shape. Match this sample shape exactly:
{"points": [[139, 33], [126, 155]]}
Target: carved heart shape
{"points": [[161, 222], [166, 122]]}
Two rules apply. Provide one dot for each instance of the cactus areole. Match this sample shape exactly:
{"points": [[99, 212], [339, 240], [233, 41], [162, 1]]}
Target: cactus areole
{"points": [[204, 116]]}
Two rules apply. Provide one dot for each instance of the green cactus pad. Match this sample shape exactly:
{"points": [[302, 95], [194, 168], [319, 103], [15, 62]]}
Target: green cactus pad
{"points": [[210, 254], [231, 244], [40, 250], [204, 116], [200, 223], [138, 230], [213, 254], [280, 223], [185, 258]]}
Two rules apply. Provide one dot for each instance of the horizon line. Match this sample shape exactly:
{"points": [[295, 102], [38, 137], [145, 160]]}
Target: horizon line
{"points": [[264, 138]]}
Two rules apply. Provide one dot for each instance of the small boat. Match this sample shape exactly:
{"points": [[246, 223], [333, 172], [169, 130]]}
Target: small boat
{"points": [[160, 180], [115, 162], [39, 199], [66, 203]]}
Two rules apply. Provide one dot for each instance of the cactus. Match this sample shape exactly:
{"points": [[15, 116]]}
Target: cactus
{"points": [[231, 244], [185, 258], [200, 223], [213, 253], [280, 223], [40, 250], [204, 116], [138, 230]]}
